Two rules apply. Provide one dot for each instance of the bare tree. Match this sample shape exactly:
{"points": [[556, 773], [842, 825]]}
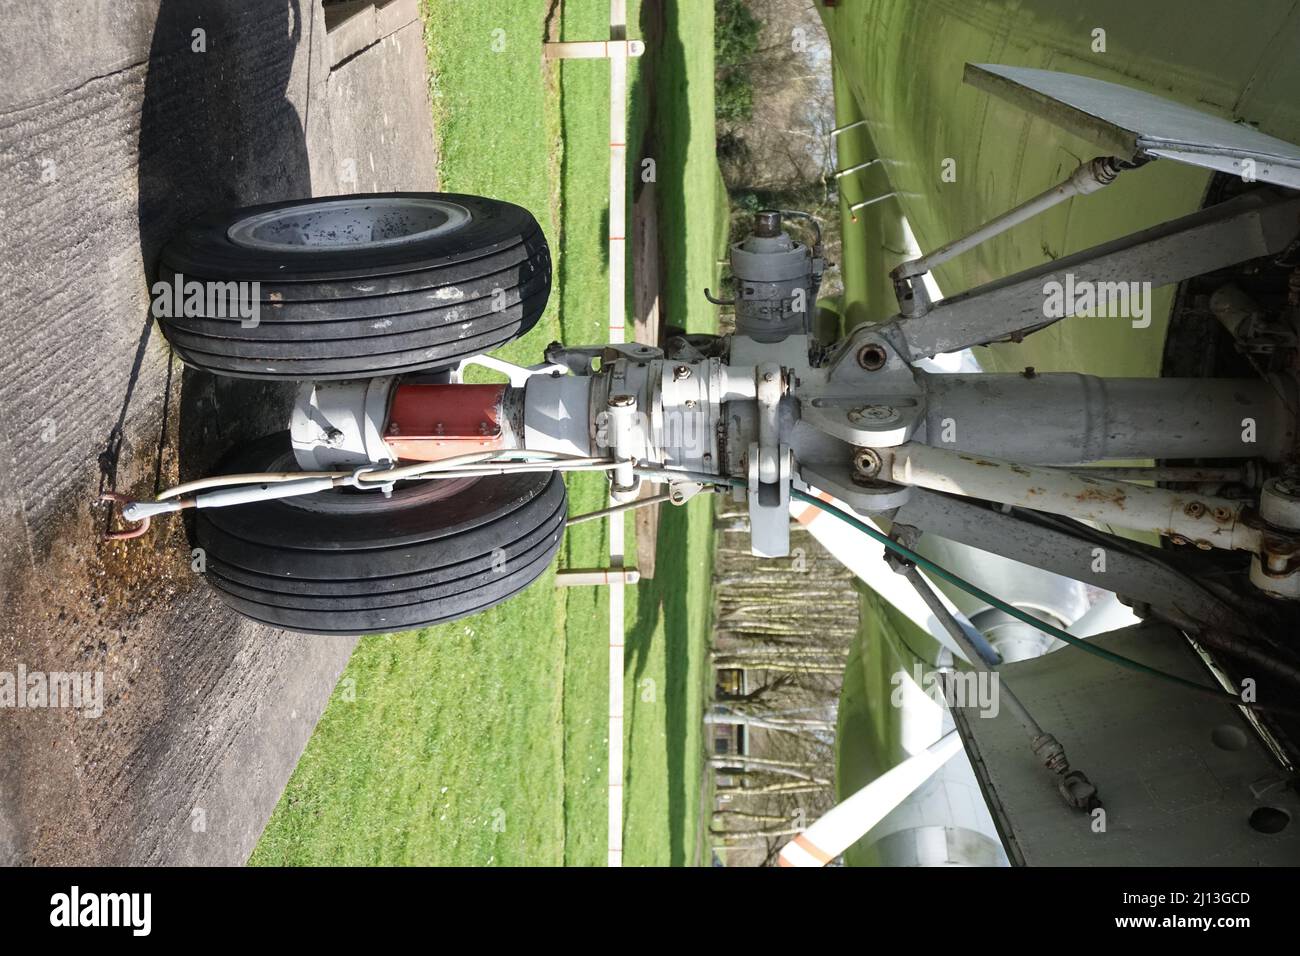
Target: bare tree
{"points": [[789, 627]]}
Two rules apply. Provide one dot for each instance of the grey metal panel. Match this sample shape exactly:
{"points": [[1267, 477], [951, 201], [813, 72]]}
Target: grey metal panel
{"points": [[1179, 776], [1140, 579], [1131, 123]]}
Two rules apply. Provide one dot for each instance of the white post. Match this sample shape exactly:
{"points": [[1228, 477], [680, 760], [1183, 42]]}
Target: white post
{"points": [[577, 577], [617, 49], [592, 49], [617, 323]]}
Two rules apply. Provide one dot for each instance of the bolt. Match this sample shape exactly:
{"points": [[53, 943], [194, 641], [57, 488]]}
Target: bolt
{"points": [[1222, 514], [691, 403], [866, 462], [872, 415], [1178, 539], [1029, 372], [334, 435], [680, 372], [767, 224], [1203, 544], [621, 400], [1194, 509], [393, 429], [872, 357]]}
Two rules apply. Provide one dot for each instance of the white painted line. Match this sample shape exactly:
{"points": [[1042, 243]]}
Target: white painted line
{"points": [[617, 50], [617, 334]]}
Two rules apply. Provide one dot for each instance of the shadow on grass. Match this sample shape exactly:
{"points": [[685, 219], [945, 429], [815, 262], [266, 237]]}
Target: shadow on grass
{"points": [[668, 129], [659, 126], [664, 598], [671, 132]]}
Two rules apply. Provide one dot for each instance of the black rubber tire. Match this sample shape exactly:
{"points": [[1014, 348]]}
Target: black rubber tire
{"points": [[349, 562], [338, 312]]}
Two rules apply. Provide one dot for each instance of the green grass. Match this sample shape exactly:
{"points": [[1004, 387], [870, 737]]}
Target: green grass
{"points": [[484, 741], [668, 674]]}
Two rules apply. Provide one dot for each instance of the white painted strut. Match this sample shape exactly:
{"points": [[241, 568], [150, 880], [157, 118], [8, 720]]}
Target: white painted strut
{"points": [[841, 827], [1202, 520]]}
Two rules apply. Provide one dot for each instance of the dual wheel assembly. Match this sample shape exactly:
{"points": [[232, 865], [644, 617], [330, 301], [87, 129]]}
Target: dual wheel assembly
{"points": [[358, 287]]}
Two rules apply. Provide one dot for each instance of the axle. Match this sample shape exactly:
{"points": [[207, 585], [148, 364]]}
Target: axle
{"points": [[776, 422]]}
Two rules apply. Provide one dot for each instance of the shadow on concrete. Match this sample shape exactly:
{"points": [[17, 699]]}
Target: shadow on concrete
{"points": [[142, 124], [217, 130]]}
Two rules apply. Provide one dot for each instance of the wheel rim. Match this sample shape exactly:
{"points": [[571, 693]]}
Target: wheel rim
{"points": [[348, 223]]}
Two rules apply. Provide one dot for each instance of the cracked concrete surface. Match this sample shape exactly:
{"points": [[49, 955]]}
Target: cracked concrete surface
{"points": [[114, 128]]}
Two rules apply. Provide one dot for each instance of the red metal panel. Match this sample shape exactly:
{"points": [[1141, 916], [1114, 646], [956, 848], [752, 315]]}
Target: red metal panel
{"points": [[431, 422]]}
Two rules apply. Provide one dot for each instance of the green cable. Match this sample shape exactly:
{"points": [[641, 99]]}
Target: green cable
{"points": [[923, 562], [978, 592]]}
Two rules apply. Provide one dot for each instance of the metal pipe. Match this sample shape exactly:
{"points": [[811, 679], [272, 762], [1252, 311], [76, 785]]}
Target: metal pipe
{"points": [[1134, 569], [868, 202], [1087, 178], [1253, 225], [226, 497], [1171, 473], [618, 509], [1073, 785], [962, 639], [846, 127], [840, 174], [1187, 518], [1062, 418]]}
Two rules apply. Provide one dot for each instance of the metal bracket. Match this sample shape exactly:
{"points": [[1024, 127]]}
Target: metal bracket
{"points": [[769, 506], [518, 374], [1251, 226]]}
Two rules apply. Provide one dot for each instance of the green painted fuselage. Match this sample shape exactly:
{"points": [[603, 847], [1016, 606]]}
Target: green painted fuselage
{"points": [[898, 66]]}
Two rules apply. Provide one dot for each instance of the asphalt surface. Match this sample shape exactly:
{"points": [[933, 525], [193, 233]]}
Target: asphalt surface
{"points": [[114, 128]]}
